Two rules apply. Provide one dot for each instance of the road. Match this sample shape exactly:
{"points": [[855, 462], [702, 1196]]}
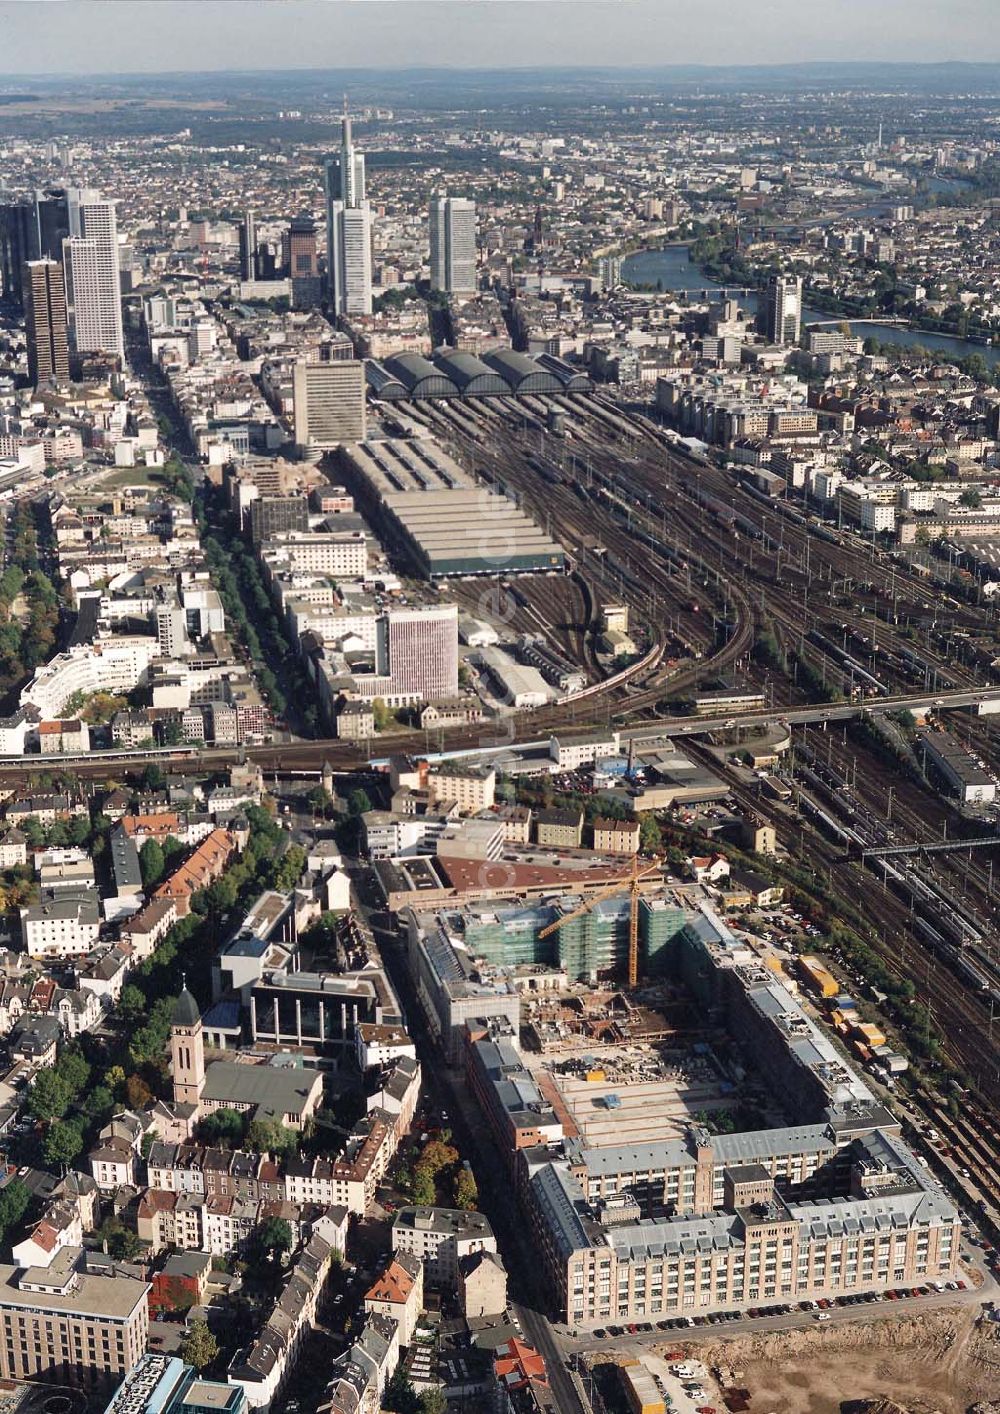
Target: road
{"points": [[310, 756], [863, 1314], [448, 1091]]}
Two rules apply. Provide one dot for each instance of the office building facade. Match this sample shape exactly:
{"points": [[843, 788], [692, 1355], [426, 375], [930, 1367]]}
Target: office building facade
{"points": [[453, 244], [419, 651], [329, 403], [44, 293], [93, 278], [783, 309], [348, 230], [248, 247], [61, 1323]]}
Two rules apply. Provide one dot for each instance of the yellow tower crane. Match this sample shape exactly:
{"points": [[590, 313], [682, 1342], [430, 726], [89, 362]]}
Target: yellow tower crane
{"points": [[632, 879]]}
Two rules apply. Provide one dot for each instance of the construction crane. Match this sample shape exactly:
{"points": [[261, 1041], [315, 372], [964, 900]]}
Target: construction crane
{"points": [[632, 879]]}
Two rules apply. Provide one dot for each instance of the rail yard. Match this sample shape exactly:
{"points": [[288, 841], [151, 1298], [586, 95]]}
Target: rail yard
{"points": [[708, 565]]}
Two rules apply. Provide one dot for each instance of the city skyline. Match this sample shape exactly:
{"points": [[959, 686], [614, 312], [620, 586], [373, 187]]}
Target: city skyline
{"points": [[133, 36]]}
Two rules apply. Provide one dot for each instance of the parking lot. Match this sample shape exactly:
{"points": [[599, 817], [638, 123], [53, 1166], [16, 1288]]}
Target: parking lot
{"points": [[865, 1305]]}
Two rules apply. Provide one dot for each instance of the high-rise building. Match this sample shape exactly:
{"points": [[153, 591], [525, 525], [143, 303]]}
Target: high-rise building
{"points": [[45, 321], [248, 247], [453, 244], [93, 280], [52, 221], [18, 245], [301, 262], [418, 649], [300, 247], [329, 402], [783, 309], [30, 230], [348, 230]]}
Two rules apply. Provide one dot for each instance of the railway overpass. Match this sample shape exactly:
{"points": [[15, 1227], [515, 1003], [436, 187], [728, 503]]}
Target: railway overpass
{"points": [[489, 738]]}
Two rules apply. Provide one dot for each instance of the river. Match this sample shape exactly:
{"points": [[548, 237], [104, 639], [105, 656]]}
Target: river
{"points": [[679, 274]]}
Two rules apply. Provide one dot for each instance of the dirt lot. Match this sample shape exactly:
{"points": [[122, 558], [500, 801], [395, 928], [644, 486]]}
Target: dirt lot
{"points": [[941, 1361]]}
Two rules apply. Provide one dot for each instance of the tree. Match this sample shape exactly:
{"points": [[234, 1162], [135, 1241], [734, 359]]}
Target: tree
{"points": [[650, 835], [400, 1397], [423, 1190], [14, 1200], [223, 1128], [152, 779], [971, 498], [74, 1070], [466, 1192], [63, 1142], [381, 715], [432, 1401], [358, 802], [49, 1095], [99, 1104], [437, 1156], [131, 1003], [137, 1092], [269, 1242], [289, 868], [152, 863], [270, 1136], [199, 1346]]}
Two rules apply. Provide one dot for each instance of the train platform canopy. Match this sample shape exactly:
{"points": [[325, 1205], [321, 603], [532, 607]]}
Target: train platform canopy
{"points": [[471, 532], [452, 373], [471, 376], [444, 520], [420, 377]]}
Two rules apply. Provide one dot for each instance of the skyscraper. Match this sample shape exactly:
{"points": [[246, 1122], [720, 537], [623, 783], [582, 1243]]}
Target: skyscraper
{"points": [[248, 247], [30, 230], [329, 404], [783, 309], [18, 245], [45, 321], [348, 230], [299, 249], [418, 649], [453, 244], [93, 280], [52, 221]]}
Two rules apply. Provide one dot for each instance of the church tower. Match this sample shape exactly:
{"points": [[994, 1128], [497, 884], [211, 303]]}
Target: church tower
{"points": [[187, 1050]]}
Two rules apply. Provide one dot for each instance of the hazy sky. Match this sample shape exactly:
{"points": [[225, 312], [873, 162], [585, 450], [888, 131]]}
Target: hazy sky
{"points": [[102, 36]]}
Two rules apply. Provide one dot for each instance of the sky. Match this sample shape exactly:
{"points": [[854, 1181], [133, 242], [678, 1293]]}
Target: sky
{"points": [[116, 36]]}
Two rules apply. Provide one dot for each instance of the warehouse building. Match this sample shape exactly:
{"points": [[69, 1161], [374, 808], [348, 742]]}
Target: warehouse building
{"points": [[442, 522], [961, 773]]}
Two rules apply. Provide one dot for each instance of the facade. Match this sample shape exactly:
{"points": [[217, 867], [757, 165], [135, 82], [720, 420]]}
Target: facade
{"points": [[277, 515], [163, 1384], [472, 788], [329, 403], [833, 1203], [64, 1324], [93, 279], [616, 836], [348, 227], [399, 1292], [482, 1280], [248, 247], [453, 244], [64, 923], [419, 649], [441, 1238], [783, 309], [559, 828], [45, 322]]}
